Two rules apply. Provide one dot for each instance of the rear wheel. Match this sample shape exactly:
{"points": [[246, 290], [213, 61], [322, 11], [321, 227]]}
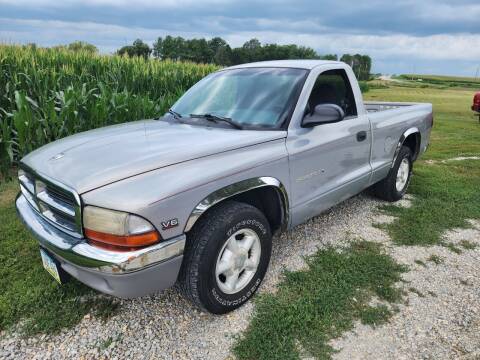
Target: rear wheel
{"points": [[395, 185], [226, 258]]}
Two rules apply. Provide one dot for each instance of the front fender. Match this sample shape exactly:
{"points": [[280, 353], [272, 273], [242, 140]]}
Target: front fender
{"points": [[179, 191], [235, 189]]}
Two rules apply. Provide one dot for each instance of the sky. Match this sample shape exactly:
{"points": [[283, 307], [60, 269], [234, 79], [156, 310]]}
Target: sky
{"points": [[401, 36]]}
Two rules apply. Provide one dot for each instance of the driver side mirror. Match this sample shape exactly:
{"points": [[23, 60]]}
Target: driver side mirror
{"points": [[324, 114]]}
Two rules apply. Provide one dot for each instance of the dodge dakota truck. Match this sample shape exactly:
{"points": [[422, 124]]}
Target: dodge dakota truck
{"points": [[192, 198]]}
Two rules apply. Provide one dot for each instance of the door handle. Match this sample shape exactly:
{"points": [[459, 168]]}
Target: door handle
{"points": [[361, 135]]}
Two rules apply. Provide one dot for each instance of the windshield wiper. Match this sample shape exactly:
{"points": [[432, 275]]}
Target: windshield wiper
{"points": [[175, 114], [215, 118]]}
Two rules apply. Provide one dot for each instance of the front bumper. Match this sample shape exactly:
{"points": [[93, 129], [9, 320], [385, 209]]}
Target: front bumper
{"points": [[123, 274]]}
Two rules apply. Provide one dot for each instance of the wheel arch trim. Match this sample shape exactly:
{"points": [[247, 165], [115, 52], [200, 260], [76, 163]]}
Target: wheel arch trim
{"points": [[405, 135], [238, 188]]}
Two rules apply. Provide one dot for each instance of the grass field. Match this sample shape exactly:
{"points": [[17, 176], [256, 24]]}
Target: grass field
{"points": [[452, 81], [446, 191], [316, 305], [29, 296], [442, 78], [313, 304]]}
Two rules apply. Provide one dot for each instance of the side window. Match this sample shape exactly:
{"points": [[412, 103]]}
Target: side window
{"points": [[333, 87]]}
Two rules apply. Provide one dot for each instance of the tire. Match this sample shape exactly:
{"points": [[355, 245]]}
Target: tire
{"points": [[387, 189], [211, 276]]}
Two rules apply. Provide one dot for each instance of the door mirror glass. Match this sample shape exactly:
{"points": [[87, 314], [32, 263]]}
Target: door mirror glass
{"points": [[324, 114]]}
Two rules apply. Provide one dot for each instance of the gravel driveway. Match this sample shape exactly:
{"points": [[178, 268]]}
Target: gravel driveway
{"points": [[165, 326]]}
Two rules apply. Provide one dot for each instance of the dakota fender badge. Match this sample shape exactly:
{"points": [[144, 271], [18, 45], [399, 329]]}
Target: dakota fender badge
{"points": [[169, 224]]}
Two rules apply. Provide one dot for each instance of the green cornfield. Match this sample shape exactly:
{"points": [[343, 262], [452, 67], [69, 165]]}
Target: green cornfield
{"points": [[47, 94]]}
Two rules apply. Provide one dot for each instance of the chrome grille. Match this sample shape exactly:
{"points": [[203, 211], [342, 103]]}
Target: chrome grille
{"points": [[55, 202]]}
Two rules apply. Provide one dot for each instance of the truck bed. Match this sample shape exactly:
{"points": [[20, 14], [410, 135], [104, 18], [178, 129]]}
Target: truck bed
{"points": [[377, 106]]}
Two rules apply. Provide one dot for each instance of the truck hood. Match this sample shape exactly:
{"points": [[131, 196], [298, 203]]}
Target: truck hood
{"points": [[91, 159]]}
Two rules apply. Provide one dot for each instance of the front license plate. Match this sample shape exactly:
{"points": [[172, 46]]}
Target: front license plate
{"points": [[50, 265]]}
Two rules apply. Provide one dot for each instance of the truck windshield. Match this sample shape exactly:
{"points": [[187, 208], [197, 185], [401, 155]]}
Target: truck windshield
{"points": [[251, 97]]}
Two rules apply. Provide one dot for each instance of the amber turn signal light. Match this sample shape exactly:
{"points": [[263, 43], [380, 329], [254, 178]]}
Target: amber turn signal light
{"points": [[122, 242]]}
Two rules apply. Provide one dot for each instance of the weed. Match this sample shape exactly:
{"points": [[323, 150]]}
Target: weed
{"points": [[416, 291], [375, 315], [453, 248], [468, 245], [435, 259]]}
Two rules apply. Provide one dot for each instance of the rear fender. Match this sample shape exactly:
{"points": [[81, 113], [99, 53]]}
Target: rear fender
{"points": [[405, 135]]}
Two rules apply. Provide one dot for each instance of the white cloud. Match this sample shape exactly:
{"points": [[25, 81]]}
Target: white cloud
{"points": [[384, 49], [438, 12], [146, 4], [107, 37]]}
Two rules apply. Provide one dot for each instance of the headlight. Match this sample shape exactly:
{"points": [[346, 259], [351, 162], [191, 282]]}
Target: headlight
{"points": [[117, 230]]}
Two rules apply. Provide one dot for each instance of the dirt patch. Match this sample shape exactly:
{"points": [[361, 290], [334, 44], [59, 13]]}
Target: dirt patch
{"points": [[460, 158]]}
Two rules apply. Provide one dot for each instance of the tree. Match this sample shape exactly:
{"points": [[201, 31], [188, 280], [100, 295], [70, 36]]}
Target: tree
{"points": [[223, 56], [303, 52], [361, 65], [252, 50], [347, 59], [157, 48], [82, 46], [333, 57], [198, 50], [217, 50], [141, 49], [172, 48], [366, 67], [138, 48], [215, 44], [239, 55]]}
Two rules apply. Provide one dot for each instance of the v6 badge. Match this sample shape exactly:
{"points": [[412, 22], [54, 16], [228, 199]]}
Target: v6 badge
{"points": [[169, 224]]}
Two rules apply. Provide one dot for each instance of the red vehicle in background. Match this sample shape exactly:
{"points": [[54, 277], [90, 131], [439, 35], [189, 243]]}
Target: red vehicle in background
{"points": [[476, 104]]}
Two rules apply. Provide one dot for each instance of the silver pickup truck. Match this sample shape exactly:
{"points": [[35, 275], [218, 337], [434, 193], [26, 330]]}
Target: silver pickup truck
{"points": [[194, 197]]}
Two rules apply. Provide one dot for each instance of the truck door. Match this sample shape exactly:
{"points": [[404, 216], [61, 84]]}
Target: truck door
{"points": [[329, 162]]}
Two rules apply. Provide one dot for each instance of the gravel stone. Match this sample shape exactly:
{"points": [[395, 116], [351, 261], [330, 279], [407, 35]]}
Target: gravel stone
{"points": [[166, 326], [440, 323]]}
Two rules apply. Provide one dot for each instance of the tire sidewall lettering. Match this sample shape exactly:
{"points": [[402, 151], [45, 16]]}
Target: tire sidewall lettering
{"points": [[249, 223], [216, 293], [238, 301]]}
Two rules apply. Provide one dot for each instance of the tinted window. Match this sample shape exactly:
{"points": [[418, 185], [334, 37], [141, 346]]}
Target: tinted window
{"points": [[261, 97], [333, 87]]}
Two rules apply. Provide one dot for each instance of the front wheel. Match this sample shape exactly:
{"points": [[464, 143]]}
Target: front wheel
{"points": [[395, 185], [226, 258]]}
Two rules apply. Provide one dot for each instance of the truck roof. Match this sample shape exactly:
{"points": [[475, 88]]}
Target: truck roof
{"points": [[297, 64]]}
